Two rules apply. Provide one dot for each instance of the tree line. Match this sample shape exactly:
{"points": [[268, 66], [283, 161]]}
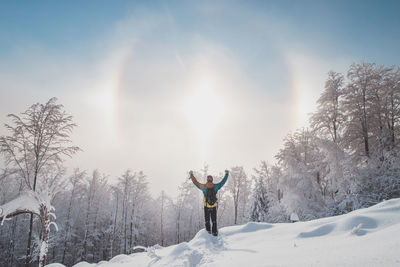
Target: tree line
{"points": [[349, 157], [95, 219]]}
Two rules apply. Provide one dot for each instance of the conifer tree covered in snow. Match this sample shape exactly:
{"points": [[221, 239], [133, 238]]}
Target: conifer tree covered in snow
{"points": [[260, 198]]}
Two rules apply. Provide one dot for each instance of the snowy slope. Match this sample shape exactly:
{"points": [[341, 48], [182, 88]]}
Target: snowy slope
{"points": [[366, 237]]}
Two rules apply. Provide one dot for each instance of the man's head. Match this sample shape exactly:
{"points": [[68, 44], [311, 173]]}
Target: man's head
{"points": [[209, 178]]}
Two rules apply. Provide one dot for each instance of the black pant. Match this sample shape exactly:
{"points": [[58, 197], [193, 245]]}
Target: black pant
{"points": [[211, 212]]}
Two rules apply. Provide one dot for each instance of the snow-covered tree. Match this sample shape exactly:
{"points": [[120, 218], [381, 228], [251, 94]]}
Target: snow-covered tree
{"points": [[188, 207], [328, 118], [35, 203], [38, 139], [300, 181], [126, 181], [385, 113], [139, 199], [358, 106], [339, 178], [260, 202], [75, 180], [239, 187], [96, 199]]}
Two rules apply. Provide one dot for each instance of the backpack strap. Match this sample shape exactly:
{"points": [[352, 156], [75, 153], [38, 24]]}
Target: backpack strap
{"points": [[208, 205]]}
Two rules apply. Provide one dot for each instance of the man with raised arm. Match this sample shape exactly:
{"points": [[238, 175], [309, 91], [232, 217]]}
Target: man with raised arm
{"points": [[210, 190]]}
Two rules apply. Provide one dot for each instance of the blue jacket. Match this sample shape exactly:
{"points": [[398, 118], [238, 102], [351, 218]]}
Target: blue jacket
{"points": [[204, 187]]}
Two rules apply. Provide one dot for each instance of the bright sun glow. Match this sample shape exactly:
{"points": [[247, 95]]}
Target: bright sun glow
{"points": [[204, 110]]}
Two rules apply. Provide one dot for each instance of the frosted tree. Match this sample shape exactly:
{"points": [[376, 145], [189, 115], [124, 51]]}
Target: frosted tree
{"points": [[39, 137], [10, 188], [94, 190], [8, 185], [371, 101], [300, 160], [328, 118], [125, 182], [340, 177], [165, 224], [266, 195], [277, 211], [139, 198], [183, 199], [239, 187], [162, 218], [133, 191], [385, 113], [358, 106], [38, 204], [225, 208], [75, 180], [116, 196], [260, 202], [187, 211], [392, 107]]}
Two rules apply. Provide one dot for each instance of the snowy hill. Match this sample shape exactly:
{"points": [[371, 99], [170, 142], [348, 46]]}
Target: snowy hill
{"points": [[366, 237]]}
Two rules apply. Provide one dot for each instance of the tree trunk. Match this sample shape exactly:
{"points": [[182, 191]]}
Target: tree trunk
{"points": [[94, 231], [131, 231], [86, 226], [366, 144], [125, 230], [44, 246], [14, 228], [392, 122], [236, 203], [12, 245], [365, 123], [130, 235], [334, 132], [131, 241], [114, 227], [28, 250], [161, 219], [236, 211], [68, 225]]}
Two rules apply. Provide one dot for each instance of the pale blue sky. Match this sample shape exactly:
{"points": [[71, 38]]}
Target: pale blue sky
{"points": [[133, 72], [356, 27]]}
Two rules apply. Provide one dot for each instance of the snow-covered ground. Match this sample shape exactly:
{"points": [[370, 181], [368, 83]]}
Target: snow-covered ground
{"points": [[366, 237]]}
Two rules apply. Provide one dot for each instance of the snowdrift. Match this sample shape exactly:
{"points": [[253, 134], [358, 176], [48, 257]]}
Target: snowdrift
{"points": [[366, 237]]}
